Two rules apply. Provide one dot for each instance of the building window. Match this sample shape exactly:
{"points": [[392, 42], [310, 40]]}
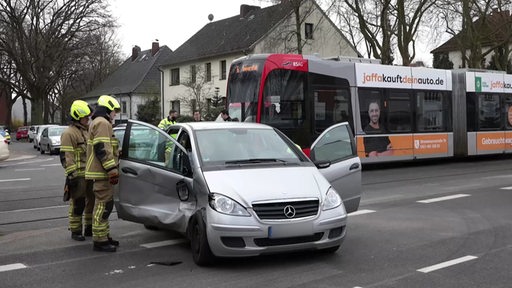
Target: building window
{"points": [[193, 73], [175, 76], [175, 105], [308, 31], [123, 107], [223, 70], [208, 68]]}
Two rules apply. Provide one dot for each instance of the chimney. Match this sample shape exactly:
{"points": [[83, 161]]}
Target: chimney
{"points": [[155, 47], [246, 9], [135, 52]]}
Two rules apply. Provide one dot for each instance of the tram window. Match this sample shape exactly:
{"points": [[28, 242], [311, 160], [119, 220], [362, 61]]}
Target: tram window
{"points": [[432, 111], [472, 115], [331, 106], [284, 99], [508, 112], [489, 112], [399, 112]]}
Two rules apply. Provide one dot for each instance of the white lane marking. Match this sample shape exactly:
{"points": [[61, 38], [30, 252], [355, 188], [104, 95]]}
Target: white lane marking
{"points": [[163, 243], [48, 165], [34, 209], [10, 267], [506, 188], [446, 264], [18, 179], [361, 212], [443, 198], [28, 169]]}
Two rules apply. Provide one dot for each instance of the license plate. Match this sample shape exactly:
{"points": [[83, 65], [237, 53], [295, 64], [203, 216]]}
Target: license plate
{"points": [[290, 230]]}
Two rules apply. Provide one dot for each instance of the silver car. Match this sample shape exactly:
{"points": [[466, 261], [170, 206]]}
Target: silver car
{"points": [[50, 139], [239, 189]]}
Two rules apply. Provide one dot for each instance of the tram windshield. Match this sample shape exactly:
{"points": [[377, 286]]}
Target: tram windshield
{"points": [[243, 88]]}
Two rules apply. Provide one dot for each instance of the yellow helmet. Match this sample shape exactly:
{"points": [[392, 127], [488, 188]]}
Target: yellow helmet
{"points": [[109, 102], [80, 109]]}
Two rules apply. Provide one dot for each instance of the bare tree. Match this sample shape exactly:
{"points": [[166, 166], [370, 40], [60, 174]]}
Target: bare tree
{"points": [[44, 37], [479, 28], [198, 89]]}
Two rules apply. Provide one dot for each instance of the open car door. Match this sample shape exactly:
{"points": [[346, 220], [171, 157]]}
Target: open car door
{"points": [[151, 180], [334, 153]]}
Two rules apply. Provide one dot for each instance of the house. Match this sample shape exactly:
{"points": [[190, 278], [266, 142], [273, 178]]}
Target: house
{"points": [[489, 32], [198, 69], [137, 79]]}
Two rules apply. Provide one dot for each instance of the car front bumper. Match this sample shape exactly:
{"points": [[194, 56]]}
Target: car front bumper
{"points": [[237, 236]]}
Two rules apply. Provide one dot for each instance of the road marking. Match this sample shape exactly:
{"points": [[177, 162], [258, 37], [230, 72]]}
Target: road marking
{"points": [[48, 165], [164, 243], [446, 264], [506, 188], [28, 169], [361, 212], [18, 179], [443, 198], [10, 267], [34, 209]]}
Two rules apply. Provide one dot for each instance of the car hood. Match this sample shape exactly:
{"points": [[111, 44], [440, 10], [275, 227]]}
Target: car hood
{"points": [[249, 185], [55, 138]]}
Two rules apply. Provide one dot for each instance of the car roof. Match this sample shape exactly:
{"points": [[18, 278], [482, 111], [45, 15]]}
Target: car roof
{"points": [[211, 125]]}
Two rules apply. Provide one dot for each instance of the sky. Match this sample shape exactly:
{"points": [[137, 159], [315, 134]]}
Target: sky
{"points": [[171, 22]]}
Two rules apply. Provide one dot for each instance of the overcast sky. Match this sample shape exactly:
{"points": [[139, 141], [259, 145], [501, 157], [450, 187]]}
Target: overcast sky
{"points": [[171, 22]]}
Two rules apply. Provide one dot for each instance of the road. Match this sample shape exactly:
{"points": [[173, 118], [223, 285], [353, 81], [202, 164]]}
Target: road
{"points": [[439, 224]]}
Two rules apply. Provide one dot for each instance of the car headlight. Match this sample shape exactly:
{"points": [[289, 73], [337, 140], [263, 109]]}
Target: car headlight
{"points": [[332, 199], [55, 142], [226, 205]]}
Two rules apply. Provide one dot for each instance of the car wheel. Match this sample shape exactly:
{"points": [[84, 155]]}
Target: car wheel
{"points": [[41, 150], [201, 252], [151, 227]]}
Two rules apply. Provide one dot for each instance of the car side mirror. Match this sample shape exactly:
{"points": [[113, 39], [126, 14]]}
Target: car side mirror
{"points": [[322, 164]]}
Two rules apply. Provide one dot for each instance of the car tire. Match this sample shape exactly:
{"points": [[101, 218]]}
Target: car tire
{"points": [[151, 227], [201, 252], [41, 150]]}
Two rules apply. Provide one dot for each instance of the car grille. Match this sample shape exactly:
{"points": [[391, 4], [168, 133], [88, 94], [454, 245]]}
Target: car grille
{"points": [[274, 211]]}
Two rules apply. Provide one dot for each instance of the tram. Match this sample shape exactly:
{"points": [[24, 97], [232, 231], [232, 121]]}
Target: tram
{"points": [[397, 113]]}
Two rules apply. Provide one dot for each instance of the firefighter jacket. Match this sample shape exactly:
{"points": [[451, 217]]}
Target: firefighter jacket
{"points": [[165, 123], [102, 149], [73, 149]]}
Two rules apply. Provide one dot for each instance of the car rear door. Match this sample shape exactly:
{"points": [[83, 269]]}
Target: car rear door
{"points": [[334, 152], [149, 180]]}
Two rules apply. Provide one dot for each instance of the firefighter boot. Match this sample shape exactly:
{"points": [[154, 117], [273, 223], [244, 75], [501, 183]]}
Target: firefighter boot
{"points": [[88, 231], [104, 246], [113, 242], [77, 236]]}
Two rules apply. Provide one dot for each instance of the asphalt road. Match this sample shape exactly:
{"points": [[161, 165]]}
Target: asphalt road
{"points": [[439, 224]]}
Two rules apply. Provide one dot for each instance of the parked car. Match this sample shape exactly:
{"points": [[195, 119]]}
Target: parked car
{"points": [[4, 148], [22, 133], [239, 189], [50, 139], [5, 133], [32, 131], [39, 131]]}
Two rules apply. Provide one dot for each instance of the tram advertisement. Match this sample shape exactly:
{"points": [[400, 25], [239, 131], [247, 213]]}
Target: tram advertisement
{"points": [[405, 145]]}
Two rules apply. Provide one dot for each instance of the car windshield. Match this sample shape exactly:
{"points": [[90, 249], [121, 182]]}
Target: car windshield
{"points": [[243, 146], [55, 131]]}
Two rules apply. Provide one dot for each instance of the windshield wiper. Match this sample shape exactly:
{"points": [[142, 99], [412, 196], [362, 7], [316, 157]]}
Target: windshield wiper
{"points": [[256, 161]]}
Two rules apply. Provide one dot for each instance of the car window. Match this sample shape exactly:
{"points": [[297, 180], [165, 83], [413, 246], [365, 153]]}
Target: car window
{"points": [[220, 146], [334, 145]]}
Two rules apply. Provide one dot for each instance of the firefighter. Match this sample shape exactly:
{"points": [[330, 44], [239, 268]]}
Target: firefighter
{"points": [[102, 168], [169, 120], [72, 157]]}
